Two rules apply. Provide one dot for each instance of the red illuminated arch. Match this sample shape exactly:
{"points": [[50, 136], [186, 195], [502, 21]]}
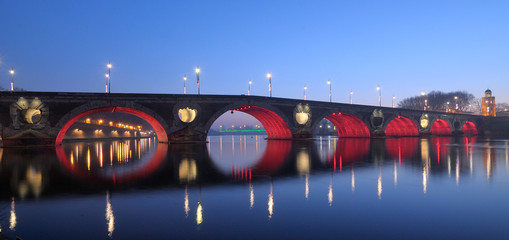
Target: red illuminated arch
{"points": [[348, 125], [469, 128], [274, 125], [440, 127], [158, 128], [401, 126]]}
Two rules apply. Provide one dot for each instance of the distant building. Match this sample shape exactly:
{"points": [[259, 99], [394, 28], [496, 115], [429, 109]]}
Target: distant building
{"points": [[488, 104]]}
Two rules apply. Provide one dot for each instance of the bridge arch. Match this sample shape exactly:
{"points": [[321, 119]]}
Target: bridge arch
{"points": [[348, 125], [401, 127], [274, 121], [469, 128], [157, 123], [441, 127]]}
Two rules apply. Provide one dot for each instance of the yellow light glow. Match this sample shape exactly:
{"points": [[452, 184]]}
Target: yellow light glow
{"points": [[269, 75], [107, 75], [11, 71], [186, 202], [199, 214], [330, 195], [251, 196], [379, 192], [328, 82], [109, 65], [270, 204], [110, 218], [100, 121], [13, 220], [110, 123], [87, 120], [197, 70]]}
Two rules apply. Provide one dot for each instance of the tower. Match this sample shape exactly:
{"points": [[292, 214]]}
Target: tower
{"points": [[488, 104]]}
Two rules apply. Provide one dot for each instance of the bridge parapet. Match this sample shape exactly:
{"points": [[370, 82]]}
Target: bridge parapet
{"points": [[39, 118]]}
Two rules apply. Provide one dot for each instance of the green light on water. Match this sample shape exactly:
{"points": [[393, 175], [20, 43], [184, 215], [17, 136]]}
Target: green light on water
{"points": [[242, 131]]}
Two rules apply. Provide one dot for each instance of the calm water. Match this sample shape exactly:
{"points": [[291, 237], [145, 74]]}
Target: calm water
{"points": [[247, 187]]}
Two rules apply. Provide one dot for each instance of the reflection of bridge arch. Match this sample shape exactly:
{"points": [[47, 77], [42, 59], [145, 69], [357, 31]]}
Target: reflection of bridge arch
{"points": [[441, 127], [148, 165], [273, 158], [401, 148], [157, 123], [348, 125], [349, 150], [401, 127], [275, 123], [469, 128]]}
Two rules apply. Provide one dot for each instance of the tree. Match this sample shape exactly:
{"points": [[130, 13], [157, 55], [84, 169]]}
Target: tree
{"points": [[440, 101]]}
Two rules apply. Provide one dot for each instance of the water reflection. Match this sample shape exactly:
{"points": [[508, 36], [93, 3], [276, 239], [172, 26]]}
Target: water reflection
{"points": [[349, 168]]}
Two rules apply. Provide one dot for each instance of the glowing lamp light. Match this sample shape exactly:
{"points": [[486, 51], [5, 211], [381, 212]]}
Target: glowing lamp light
{"points": [[197, 70], [109, 65], [269, 75], [11, 71]]}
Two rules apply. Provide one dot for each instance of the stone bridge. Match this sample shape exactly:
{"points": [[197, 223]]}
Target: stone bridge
{"points": [[42, 118]]}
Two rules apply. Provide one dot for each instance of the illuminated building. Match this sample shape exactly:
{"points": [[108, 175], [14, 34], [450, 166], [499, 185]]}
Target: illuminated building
{"points": [[488, 104]]}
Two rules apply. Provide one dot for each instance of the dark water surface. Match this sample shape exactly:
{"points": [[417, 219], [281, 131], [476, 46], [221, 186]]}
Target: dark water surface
{"points": [[245, 187]]}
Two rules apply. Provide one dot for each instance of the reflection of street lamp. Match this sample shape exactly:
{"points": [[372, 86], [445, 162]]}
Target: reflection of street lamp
{"points": [[109, 76], [249, 88], [447, 107], [12, 78], [330, 90], [185, 79], [197, 70], [351, 93], [379, 95], [269, 76], [393, 97], [305, 88]]}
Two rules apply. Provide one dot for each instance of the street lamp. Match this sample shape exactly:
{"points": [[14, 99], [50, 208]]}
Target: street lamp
{"points": [[269, 76], [109, 76], [351, 93], [305, 88], [185, 79], [197, 70], [393, 98], [447, 107], [249, 88], [379, 95], [423, 94], [330, 90], [12, 79], [456, 101]]}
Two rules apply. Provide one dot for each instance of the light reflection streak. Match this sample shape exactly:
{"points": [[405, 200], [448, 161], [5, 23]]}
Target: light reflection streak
{"points": [[424, 180], [233, 145], [379, 193], [101, 155], [199, 214], [88, 159], [471, 163], [395, 174], [270, 203], [186, 202], [449, 164], [306, 187], [221, 145], [13, 219], [110, 218], [353, 181], [457, 169], [330, 195], [251, 196]]}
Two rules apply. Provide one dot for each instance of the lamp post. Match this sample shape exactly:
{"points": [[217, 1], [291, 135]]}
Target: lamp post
{"points": [[423, 94], [379, 95], [456, 101], [12, 79], [109, 76], [197, 70], [330, 90], [393, 98], [249, 88], [305, 88], [269, 76], [351, 93], [185, 79]]}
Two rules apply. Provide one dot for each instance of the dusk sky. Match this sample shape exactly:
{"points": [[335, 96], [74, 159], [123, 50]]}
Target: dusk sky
{"points": [[406, 47]]}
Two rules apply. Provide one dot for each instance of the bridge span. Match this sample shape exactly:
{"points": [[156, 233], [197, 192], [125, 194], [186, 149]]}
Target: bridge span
{"points": [[42, 118]]}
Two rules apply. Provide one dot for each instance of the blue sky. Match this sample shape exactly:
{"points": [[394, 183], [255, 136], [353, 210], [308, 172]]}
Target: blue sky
{"points": [[404, 46]]}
